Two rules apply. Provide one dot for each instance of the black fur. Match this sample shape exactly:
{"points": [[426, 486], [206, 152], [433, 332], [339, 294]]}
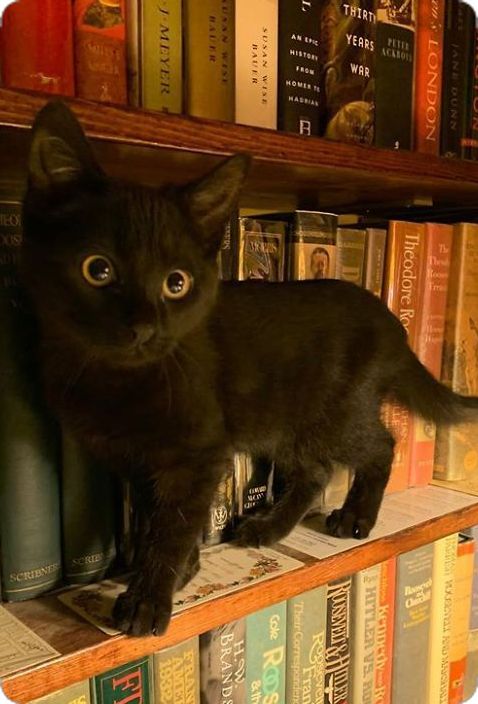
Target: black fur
{"points": [[166, 391]]}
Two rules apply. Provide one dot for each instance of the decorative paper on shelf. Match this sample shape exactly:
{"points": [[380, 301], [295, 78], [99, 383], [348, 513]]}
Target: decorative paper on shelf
{"points": [[399, 511], [19, 646], [224, 569]]}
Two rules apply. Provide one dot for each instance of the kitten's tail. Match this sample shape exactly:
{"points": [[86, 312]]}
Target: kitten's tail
{"points": [[419, 391]]}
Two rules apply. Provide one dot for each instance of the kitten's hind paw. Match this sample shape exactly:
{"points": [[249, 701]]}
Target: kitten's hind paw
{"points": [[346, 524], [141, 616], [256, 531]]}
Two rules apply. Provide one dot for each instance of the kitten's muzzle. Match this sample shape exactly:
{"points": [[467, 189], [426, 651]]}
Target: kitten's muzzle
{"points": [[142, 333]]}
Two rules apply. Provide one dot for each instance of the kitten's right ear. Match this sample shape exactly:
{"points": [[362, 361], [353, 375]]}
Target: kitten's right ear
{"points": [[59, 151]]}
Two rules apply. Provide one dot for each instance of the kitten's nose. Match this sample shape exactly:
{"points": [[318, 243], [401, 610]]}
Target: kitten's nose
{"points": [[143, 332]]}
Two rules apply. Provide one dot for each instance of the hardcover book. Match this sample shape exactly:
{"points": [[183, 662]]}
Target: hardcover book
{"points": [[460, 618], [428, 76], [365, 602], [305, 663], [256, 37], [350, 255], [260, 249], [471, 673], [266, 654], [467, 46], [412, 624], [473, 136], [382, 693], [311, 245], [221, 513], [299, 68], [176, 674], [223, 664], [375, 243], [209, 59], [337, 642], [456, 453], [252, 483], [126, 684], [453, 81], [395, 55], [78, 693], [100, 50], [347, 56]]}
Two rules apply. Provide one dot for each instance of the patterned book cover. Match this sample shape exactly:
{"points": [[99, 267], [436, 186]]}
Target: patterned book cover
{"points": [[311, 245], [78, 693], [412, 625], [428, 76], [209, 58], [299, 68], [223, 664], [347, 56], [382, 693], [431, 329], [100, 50], [266, 655], [375, 244], [260, 249], [337, 642], [456, 453], [305, 663], [126, 684], [395, 57], [460, 618], [176, 673], [365, 603], [350, 254]]}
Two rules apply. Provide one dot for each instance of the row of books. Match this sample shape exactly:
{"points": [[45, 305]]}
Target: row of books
{"points": [[403, 630], [397, 75]]}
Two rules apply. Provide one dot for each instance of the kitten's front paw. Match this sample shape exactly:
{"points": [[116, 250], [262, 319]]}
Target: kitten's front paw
{"points": [[256, 531], [139, 615], [344, 523]]}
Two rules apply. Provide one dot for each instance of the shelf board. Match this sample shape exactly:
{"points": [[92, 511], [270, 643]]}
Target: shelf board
{"points": [[85, 651], [152, 146]]}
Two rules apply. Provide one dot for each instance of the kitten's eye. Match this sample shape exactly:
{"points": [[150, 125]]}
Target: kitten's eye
{"points": [[98, 270], [177, 284]]}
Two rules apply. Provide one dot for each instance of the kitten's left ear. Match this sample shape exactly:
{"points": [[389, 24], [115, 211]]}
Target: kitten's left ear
{"points": [[212, 200]]}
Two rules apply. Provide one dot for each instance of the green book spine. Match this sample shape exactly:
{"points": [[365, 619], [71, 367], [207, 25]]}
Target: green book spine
{"points": [[160, 40], [266, 655], [223, 664], [88, 495], [176, 674], [127, 684], [78, 693], [29, 481], [305, 664]]}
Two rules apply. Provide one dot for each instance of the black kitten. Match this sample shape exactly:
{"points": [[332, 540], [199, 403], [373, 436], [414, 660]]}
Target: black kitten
{"points": [[164, 372]]}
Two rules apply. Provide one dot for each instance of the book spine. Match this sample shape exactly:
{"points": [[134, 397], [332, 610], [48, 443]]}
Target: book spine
{"points": [[266, 654], [256, 38], [444, 562], [455, 453], [100, 51], [350, 255], [305, 662], [161, 55], [312, 246], [474, 103], [347, 58], [402, 283], [261, 249], [375, 244], [251, 483], [460, 618], [337, 641], [394, 75], [29, 481], [133, 55], [428, 76], [299, 72], [219, 526], [78, 693], [430, 333], [468, 51], [209, 59], [88, 516], [37, 46], [471, 673], [223, 664], [228, 252], [365, 600], [412, 625], [127, 683], [384, 633], [453, 81], [176, 674]]}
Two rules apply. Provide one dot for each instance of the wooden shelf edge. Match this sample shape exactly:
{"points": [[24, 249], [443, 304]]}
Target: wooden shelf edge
{"points": [[49, 677], [183, 133]]}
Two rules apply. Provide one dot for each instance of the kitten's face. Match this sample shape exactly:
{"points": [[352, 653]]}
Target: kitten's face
{"points": [[123, 272]]}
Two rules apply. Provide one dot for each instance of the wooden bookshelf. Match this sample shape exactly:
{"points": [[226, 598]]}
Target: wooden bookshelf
{"points": [[85, 651]]}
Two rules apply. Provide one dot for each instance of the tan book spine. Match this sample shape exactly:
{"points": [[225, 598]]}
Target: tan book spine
{"points": [[456, 454], [382, 693], [460, 618], [374, 260], [176, 674], [365, 602], [256, 36], [209, 59]]}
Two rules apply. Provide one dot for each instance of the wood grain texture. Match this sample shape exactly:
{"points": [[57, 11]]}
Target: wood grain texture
{"points": [[87, 652]]}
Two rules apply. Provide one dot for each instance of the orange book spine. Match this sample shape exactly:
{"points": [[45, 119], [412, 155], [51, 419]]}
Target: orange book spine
{"points": [[431, 330], [460, 618], [402, 284], [37, 46], [100, 50], [428, 76], [382, 691]]}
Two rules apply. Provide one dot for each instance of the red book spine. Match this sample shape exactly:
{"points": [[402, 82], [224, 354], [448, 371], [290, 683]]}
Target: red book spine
{"points": [[37, 46], [382, 693], [431, 329], [428, 76], [100, 50]]}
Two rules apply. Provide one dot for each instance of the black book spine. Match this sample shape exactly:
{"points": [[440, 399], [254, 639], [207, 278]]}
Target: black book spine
{"points": [[468, 48], [474, 103], [453, 81], [395, 56], [298, 77]]}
